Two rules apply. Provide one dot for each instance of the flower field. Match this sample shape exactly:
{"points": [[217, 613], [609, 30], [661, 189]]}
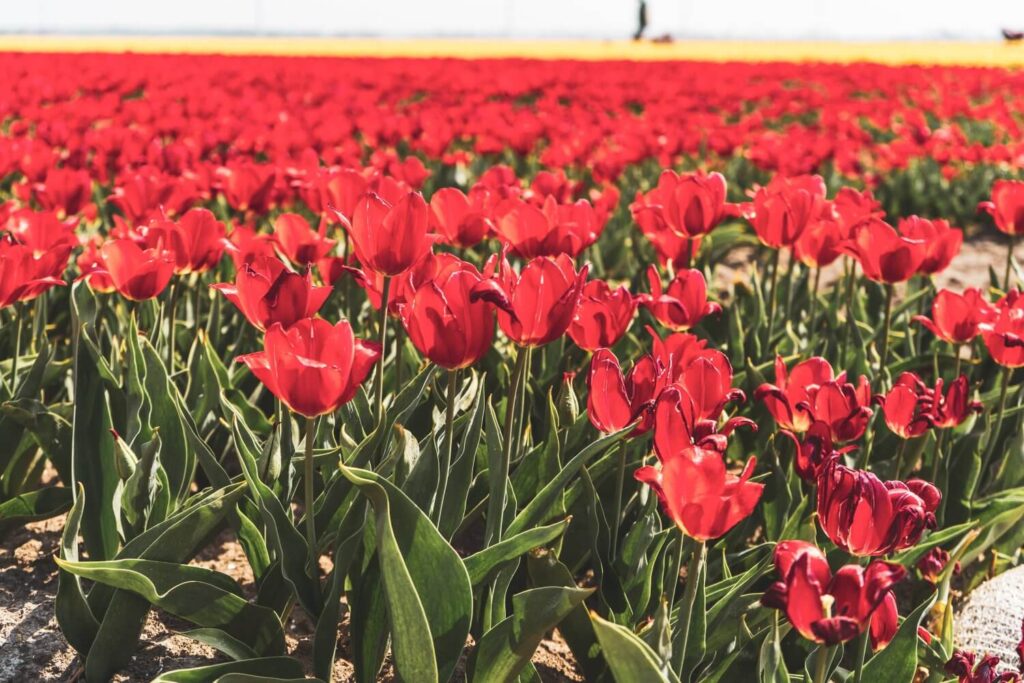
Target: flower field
{"points": [[445, 350]]}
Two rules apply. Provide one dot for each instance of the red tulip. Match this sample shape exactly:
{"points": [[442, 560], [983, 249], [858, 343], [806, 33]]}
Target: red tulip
{"points": [[338, 188], [24, 276], [1004, 331], [245, 244], [683, 304], [298, 242], [690, 205], [615, 402], [906, 407], [884, 254], [247, 186], [197, 240], [137, 274], [956, 318], [793, 389], [941, 242], [603, 316], [952, 408], [65, 191], [784, 208], [699, 495], [853, 206], [815, 452], [1007, 206], [834, 608], [866, 516], [687, 415], [670, 246], [445, 324], [462, 221], [820, 244], [313, 367], [43, 233], [266, 292], [967, 669], [550, 230], [537, 305], [932, 564], [389, 238], [91, 269]]}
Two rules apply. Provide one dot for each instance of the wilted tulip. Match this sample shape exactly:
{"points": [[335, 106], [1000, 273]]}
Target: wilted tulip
{"points": [[603, 315], [834, 608], [266, 292], [313, 367], [866, 516], [932, 564], [683, 304]]}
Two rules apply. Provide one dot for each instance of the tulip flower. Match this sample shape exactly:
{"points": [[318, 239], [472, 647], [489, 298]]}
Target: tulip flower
{"points": [[957, 318], [941, 242], [313, 367], [91, 269], [388, 238], [445, 324], [866, 516], [683, 304], [949, 410], [462, 221], [884, 254], [245, 244], [603, 316], [24, 276], [686, 416], [966, 667], [1007, 206], [66, 191], [906, 407], [698, 494], [43, 233], [832, 608], [1004, 331], [138, 274], [690, 205], [932, 564], [678, 351], [815, 452], [851, 206], [783, 209], [266, 292], [197, 240], [614, 402], [536, 305], [247, 186], [820, 243], [298, 242], [550, 230]]}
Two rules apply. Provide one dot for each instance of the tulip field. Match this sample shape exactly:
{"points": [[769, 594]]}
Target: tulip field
{"points": [[447, 352]]}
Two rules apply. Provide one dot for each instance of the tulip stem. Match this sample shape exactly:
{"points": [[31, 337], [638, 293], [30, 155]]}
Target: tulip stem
{"points": [[993, 434], [1009, 265], [900, 457], [19, 311], [814, 299], [693, 572], [449, 432], [936, 459], [821, 663], [382, 329], [619, 483], [172, 304], [506, 454], [885, 329], [862, 652], [772, 297], [308, 501]]}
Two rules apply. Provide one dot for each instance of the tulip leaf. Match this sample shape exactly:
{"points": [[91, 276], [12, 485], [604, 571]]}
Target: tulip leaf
{"points": [[33, 506], [482, 564], [202, 596], [461, 474], [325, 638], [630, 659], [222, 642], [898, 661], [425, 585], [75, 617], [263, 668], [508, 647]]}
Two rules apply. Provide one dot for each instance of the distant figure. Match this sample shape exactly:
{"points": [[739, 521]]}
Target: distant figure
{"points": [[642, 21], [1012, 36]]}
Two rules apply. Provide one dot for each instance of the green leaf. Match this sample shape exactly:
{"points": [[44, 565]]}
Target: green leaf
{"points": [[202, 596], [482, 564], [426, 588], [265, 668], [630, 659], [508, 647], [33, 506], [898, 661], [75, 617]]}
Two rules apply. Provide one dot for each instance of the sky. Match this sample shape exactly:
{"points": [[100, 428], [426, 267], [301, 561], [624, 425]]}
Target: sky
{"points": [[602, 19]]}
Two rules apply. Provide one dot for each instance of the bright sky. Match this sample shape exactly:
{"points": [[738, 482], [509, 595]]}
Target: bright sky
{"points": [[743, 19]]}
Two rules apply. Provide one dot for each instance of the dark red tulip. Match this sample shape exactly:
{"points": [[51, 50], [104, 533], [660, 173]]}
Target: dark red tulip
{"points": [[603, 316], [1007, 206], [683, 303], [815, 452], [24, 276], [866, 516], [932, 563], [389, 238], [266, 292], [138, 274], [444, 323], [462, 221], [834, 608], [299, 242], [956, 318], [536, 305], [699, 495], [1004, 331], [942, 242], [950, 409], [884, 254], [313, 367], [783, 209], [966, 667], [615, 402]]}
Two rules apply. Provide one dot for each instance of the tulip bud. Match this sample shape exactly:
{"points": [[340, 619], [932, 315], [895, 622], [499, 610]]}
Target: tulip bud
{"points": [[567, 404]]}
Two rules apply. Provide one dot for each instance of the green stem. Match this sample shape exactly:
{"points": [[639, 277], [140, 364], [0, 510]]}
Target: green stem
{"points": [[619, 483], [399, 343], [772, 297], [510, 417], [382, 331], [18, 326], [693, 571], [449, 432], [937, 458], [850, 267], [172, 305], [1009, 265], [821, 664], [308, 502], [678, 564], [862, 651], [814, 298], [993, 434], [900, 456], [789, 283], [885, 329], [958, 350]]}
